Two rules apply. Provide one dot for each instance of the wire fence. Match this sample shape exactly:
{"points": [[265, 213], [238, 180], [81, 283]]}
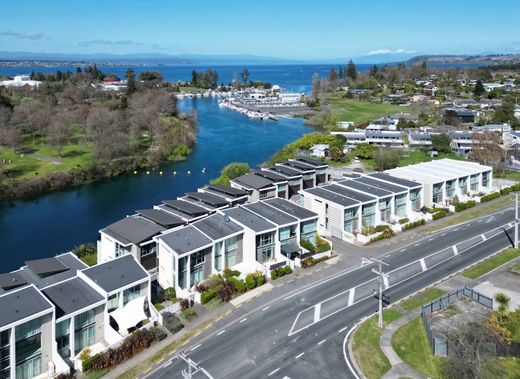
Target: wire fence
{"points": [[439, 345]]}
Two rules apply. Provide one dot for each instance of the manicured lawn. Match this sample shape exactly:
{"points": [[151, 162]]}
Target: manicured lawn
{"points": [[343, 109], [491, 263], [421, 298], [366, 348], [419, 156], [89, 260], [411, 344]]}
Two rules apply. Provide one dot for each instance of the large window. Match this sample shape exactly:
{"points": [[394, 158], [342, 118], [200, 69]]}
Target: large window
{"points": [[148, 249], [131, 293], [463, 185], [368, 217], [183, 270], [28, 349], [308, 231], [264, 247], [264, 254], [84, 330], [63, 338], [400, 205], [351, 222], [287, 234], [474, 179], [219, 247], [197, 267], [385, 209], [113, 302], [120, 250], [415, 199], [264, 194], [231, 251], [450, 188], [5, 364], [437, 193], [485, 179]]}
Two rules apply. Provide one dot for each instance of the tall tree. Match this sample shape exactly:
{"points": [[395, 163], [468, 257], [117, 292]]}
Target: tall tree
{"points": [[131, 87], [59, 132], [333, 77], [316, 90], [351, 70], [479, 88], [245, 75], [441, 143]]}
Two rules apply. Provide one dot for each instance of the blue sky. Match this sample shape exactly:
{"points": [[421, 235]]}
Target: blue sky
{"points": [[278, 28]]}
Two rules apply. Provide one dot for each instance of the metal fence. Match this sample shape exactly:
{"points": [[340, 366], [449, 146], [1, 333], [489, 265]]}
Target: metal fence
{"points": [[440, 346]]}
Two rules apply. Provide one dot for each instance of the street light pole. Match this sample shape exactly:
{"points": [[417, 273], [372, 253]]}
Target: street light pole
{"points": [[381, 276], [516, 221]]}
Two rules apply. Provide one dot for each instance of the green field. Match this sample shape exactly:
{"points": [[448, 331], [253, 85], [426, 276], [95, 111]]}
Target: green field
{"points": [[411, 344], [367, 350], [419, 156], [491, 263], [421, 298]]}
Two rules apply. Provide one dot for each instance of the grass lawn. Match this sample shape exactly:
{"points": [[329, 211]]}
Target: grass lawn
{"points": [[516, 268], [343, 109], [421, 298], [89, 260], [411, 344], [505, 368], [419, 156], [491, 263], [366, 348]]}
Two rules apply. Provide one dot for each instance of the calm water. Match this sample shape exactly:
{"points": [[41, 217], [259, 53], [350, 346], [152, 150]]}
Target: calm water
{"points": [[57, 221]]}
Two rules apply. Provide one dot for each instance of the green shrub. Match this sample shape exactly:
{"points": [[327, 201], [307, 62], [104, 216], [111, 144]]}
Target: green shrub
{"points": [[189, 314], [226, 291], [375, 229], [459, 207], [439, 214], [287, 269], [173, 324], [403, 220], [238, 284], [489, 197], [387, 233], [260, 279], [159, 306], [515, 187], [280, 272], [505, 191], [274, 275], [321, 245], [158, 333], [308, 262], [308, 246], [250, 281], [414, 224], [207, 296], [228, 273], [169, 294]]}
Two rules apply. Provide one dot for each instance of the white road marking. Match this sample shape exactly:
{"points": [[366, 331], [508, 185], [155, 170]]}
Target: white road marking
{"points": [[322, 341], [244, 319], [274, 372], [455, 229], [385, 281], [402, 250], [351, 296], [343, 329], [443, 234], [455, 251], [221, 332], [264, 309], [317, 309], [195, 347], [299, 355], [423, 264], [483, 237], [417, 244]]}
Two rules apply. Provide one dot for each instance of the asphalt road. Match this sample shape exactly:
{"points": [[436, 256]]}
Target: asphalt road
{"points": [[301, 334]]}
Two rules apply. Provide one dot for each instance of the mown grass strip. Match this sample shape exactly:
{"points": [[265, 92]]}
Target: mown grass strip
{"points": [[491, 263]]}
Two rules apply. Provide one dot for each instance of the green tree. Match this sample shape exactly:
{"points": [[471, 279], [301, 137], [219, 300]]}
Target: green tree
{"points": [[131, 87], [364, 151], [245, 75], [424, 66], [479, 88], [335, 153], [231, 171], [441, 143], [505, 113], [351, 70], [151, 76], [333, 75], [386, 158], [316, 88]]}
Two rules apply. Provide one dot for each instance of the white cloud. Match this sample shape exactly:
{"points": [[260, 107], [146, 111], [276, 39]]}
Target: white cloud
{"points": [[388, 51], [18, 35], [108, 42]]}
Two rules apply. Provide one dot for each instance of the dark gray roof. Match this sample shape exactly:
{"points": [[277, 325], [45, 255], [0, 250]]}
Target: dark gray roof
{"points": [[312, 162], [351, 175], [253, 181], [331, 196], [382, 134], [273, 176], [186, 207], [290, 248], [11, 280], [133, 230], [340, 190], [421, 136], [286, 170], [366, 188], [393, 179], [46, 266], [461, 112], [71, 296], [381, 185], [208, 198], [249, 219], [116, 273], [272, 214], [161, 217], [216, 226], [457, 134], [19, 304], [185, 240], [300, 166], [290, 208], [227, 190], [68, 259]]}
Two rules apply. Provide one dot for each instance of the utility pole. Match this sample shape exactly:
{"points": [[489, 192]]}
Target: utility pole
{"points": [[381, 276], [192, 365], [516, 221]]}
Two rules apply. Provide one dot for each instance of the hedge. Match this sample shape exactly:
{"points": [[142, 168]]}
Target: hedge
{"points": [[439, 214], [489, 197], [403, 220], [207, 296], [459, 207], [238, 284], [387, 233], [415, 224]]}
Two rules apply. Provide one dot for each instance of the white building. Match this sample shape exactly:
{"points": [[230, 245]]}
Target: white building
{"points": [[320, 150], [20, 81], [373, 137], [445, 179]]}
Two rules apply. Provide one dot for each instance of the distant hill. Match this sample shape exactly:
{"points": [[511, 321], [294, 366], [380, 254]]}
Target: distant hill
{"points": [[488, 59]]}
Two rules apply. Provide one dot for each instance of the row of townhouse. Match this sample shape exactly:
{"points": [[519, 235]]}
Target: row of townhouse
{"points": [[54, 308], [348, 207], [252, 237], [135, 234], [387, 138]]}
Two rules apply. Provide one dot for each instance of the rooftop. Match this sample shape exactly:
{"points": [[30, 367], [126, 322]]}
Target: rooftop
{"points": [[117, 273], [227, 190], [270, 175], [253, 181], [312, 162], [185, 240], [248, 219], [162, 218], [333, 197], [133, 230], [301, 166], [291, 208], [272, 214], [208, 198], [340, 190], [368, 189], [395, 180], [20, 304], [381, 185], [217, 226], [287, 171], [185, 207]]}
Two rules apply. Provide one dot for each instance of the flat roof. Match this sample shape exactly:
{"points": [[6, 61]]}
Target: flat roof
{"points": [[20, 304], [354, 184], [271, 175], [312, 162], [249, 219], [186, 207], [253, 181], [185, 240], [71, 296], [160, 217], [381, 185], [217, 226], [333, 197], [227, 190], [424, 176], [395, 180], [69, 260], [46, 266], [347, 192], [11, 280], [300, 166], [291, 208], [209, 198], [270, 213], [286, 170], [133, 230], [116, 273]]}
